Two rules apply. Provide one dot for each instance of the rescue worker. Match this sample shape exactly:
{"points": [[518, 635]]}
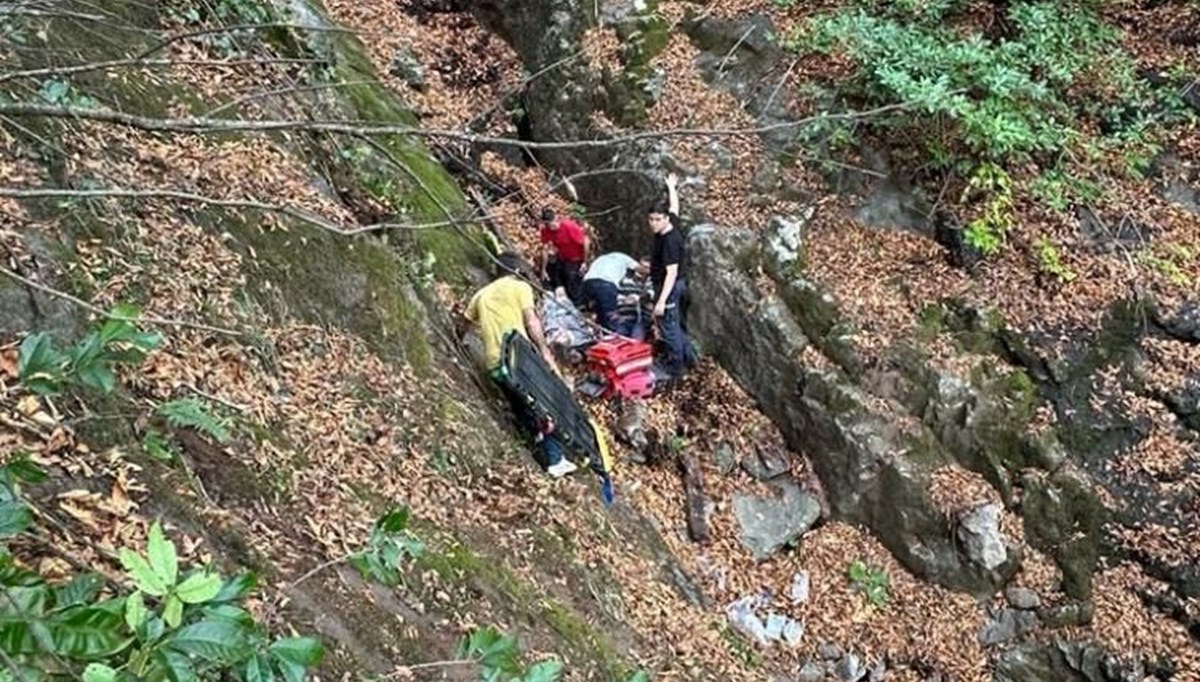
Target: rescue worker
{"points": [[564, 252], [506, 306], [667, 273], [602, 286]]}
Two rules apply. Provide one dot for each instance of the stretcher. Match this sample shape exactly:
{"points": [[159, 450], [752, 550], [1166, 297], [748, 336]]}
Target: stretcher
{"points": [[528, 375]]}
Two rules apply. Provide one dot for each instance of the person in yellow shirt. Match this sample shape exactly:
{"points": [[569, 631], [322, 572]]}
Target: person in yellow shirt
{"points": [[506, 306]]}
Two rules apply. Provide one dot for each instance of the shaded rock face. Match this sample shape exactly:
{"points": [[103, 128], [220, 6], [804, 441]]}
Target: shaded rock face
{"points": [[1067, 662], [821, 412]]}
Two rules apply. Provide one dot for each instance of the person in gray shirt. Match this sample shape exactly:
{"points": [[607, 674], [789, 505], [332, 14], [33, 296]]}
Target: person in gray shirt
{"points": [[601, 285]]}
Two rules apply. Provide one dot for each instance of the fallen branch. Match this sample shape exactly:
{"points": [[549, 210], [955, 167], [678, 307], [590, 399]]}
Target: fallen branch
{"points": [[200, 126], [100, 311]]}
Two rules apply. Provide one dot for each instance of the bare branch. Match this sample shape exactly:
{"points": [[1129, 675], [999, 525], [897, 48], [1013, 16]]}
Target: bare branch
{"points": [[237, 27], [288, 90], [291, 212], [199, 126], [100, 311], [120, 63]]}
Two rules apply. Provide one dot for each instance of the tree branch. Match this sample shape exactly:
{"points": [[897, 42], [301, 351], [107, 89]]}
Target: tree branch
{"points": [[198, 126], [100, 311], [298, 214], [119, 63]]}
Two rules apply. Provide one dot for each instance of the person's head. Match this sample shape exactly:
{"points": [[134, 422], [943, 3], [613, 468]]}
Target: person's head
{"points": [[658, 217], [510, 263], [548, 218]]}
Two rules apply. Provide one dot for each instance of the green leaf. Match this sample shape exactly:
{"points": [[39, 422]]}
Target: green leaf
{"points": [[305, 651], [83, 588], [162, 556], [199, 588], [640, 676], [39, 364], [258, 669], [394, 521], [229, 612], [135, 611], [175, 665], [173, 611], [157, 446], [24, 470], [98, 672], [145, 577], [97, 375], [87, 632], [546, 671], [211, 640], [237, 587], [14, 518]]}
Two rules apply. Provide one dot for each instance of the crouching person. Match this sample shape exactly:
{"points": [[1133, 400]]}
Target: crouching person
{"points": [[506, 306]]}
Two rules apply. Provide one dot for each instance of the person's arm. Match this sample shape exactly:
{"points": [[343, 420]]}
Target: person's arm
{"points": [[533, 327], [673, 193], [660, 306], [587, 247]]}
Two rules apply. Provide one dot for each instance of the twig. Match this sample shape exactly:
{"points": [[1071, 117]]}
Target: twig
{"points": [[317, 569], [786, 74], [298, 214], [100, 311], [729, 54], [284, 91], [20, 676], [215, 398], [405, 670], [198, 126]]}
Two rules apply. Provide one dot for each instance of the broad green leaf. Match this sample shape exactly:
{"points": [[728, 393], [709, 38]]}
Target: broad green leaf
{"points": [[291, 672], [176, 666], [395, 520], [98, 376], [98, 672], [129, 311], [237, 587], [258, 669], [87, 632], [135, 611], [640, 676], [162, 556], [83, 588], [211, 640], [305, 651], [24, 470], [145, 577], [12, 575], [229, 612], [173, 611], [37, 355], [546, 671], [14, 518], [199, 588]]}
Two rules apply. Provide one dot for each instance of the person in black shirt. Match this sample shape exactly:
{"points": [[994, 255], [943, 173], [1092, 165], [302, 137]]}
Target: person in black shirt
{"points": [[667, 264]]}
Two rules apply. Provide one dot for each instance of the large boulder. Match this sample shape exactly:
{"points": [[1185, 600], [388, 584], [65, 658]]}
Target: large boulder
{"points": [[874, 472]]}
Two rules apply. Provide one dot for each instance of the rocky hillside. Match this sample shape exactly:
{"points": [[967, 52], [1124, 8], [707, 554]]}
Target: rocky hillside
{"points": [[922, 458]]}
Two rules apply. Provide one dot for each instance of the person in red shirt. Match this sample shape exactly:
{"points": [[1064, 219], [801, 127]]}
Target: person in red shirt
{"points": [[566, 250]]}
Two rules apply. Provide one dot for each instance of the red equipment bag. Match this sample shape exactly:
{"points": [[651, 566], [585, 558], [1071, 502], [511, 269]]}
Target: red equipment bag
{"points": [[623, 365]]}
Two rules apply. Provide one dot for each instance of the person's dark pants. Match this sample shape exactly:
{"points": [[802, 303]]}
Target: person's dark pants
{"points": [[680, 354], [632, 326], [548, 451], [602, 295], [566, 274]]}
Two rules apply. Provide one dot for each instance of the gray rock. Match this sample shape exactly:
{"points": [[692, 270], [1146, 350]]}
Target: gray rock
{"points": [[979, 531], [850, 668], [1063, 660], [811, 672], [766, 463], [743, 619], [785, 238], [878, 671], [1006, 626], [408, 68], [1022, 598], [829, 651], [1070, 614], [769, 522], [800, 587], [726, 459]]}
